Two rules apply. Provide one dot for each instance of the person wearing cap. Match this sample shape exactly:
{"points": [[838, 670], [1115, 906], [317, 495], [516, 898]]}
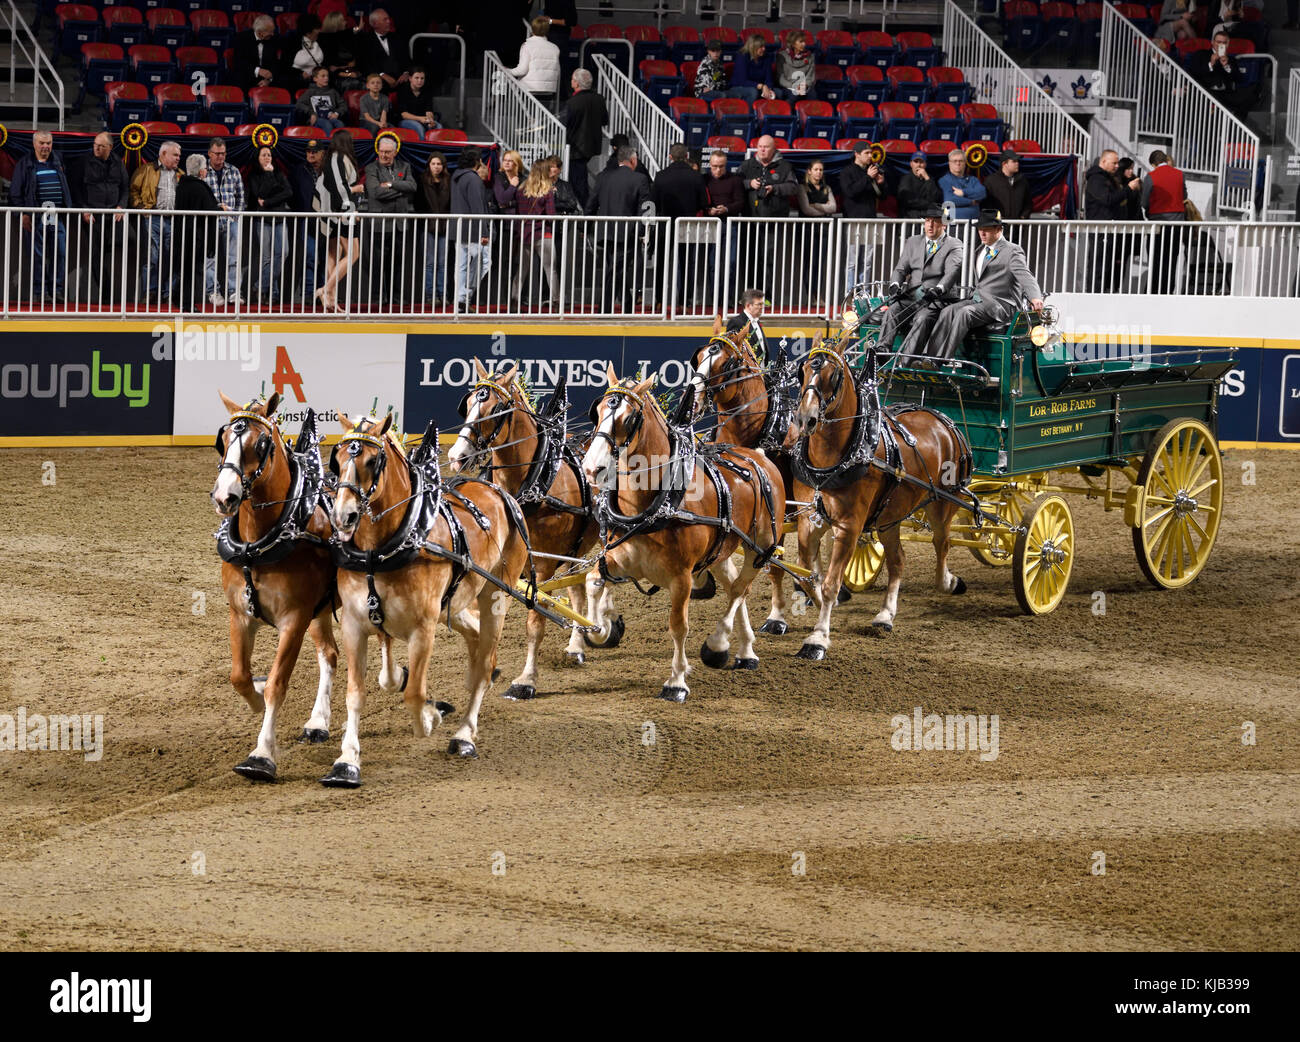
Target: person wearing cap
{"points": [[304, 179], [1008, 188], [1002, 280], [917, 190], [929, 265], [962, 191]]}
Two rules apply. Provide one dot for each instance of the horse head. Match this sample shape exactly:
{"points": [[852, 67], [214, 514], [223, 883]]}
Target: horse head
{"points": [[486, 409], [717, 366], [247, 446], [617, 416], [359, 461], [825, 374]]}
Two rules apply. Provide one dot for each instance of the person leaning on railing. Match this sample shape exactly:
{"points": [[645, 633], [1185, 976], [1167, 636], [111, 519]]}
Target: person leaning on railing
{"points": [[470, 195], [434, 199], [102, 183], [917, 190], [269, 193], [1107, 198], [153, 187], [390, 189], [39, 180], [195, 237], [1164, 197]]}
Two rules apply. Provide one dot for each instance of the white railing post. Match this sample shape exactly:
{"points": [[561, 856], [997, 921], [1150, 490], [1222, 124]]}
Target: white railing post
{"points": [[516, 118], [632, 112]]}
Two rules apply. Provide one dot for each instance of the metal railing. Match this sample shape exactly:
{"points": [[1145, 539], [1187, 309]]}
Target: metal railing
{"points": [[631, 112], [659, 9], [1168, 105], [460, 81], [754, 12], [1293, 109], [620, 44], [245, 266], [516, 118], [45, 81]]}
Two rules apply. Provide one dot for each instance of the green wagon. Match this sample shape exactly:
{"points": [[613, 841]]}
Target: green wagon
{"points": [[1046, 417]]}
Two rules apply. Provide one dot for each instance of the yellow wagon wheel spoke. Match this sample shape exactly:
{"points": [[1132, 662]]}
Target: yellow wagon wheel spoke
{"points": [[864, 564], [1043, 557], [1009, 504]]}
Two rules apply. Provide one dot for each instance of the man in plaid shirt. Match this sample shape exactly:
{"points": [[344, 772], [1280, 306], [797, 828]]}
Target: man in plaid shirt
{"points": [[228, 187]]}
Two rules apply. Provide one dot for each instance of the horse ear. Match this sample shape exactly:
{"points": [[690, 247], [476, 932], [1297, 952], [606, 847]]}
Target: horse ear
{"points": [[610, 375], [272, 404], [817, 342], [383, 427], [508, 375], [646, 384], [717, 325], [743, 335], [231, 407], [348, 425], [481, 373]]}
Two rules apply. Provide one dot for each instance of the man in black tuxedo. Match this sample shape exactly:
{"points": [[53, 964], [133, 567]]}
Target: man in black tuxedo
{"points": [[384, 52], [257, 57]]}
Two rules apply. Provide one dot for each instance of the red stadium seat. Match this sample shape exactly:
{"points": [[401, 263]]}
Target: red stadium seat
{"points": [[678, 107], [403, 133], [893, 146], [655, 67], [359, 134], [305, 132], [1023, 145], [936, 148], [352, 99], [766, 34], [719, 32], [208, 130], [811, 144], [729, 107], [845, 144], [603, 31], [448, 136], [244, 130], [780, 142], [259, 96], [731, 144], [209, 19], [244, 20], [159, 128], [641, 33], [287, 22]]}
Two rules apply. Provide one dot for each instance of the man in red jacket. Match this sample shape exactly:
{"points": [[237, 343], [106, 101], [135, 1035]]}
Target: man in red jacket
{"points": [[1164, 196]]}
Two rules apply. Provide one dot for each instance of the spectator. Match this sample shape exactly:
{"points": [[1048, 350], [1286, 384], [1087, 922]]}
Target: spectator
{"points": [[374, 105], [752, 303], [862, 184], [228, 187], [1106, 198], [678, 191], [256, 58], [621, 192], [383, 51], [434, 198], [390, 188], [321, 105], [962, 191], [310, 55], [537, 198], [305, 179], [725, 198], [917, 190], [507, 182], [1225, 78], [815, 196], [1008, 189], [769, 180], [415, 103], [470, 195], [339, 45], [1128, 175], [584, 117], [566, 199], [1232, 21], [1164, 197], [337, 195], [751, 77], [195, 195], [39, 180], [153, 187], [796, 67], [1175, 23], [711, 76], [103, 185], [539, 64], [269, 191]]}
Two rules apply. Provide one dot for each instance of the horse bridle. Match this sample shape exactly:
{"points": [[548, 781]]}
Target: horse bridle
{"points": [[480, 393], [816, 365], [354, 442], [616, 396], [238, 426]]}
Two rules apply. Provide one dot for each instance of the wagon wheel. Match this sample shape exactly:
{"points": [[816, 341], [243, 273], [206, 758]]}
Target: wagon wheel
{"points": [[1010, 508], [864, 565], [1043, 555], [1178, 505]]}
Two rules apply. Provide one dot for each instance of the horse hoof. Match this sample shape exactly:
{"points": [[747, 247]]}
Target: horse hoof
{"points": [[444, 708], [845, 594], [616, 630], [520, 692], [960, 587], [462, 748], [707, 591], [406, 675], [774, 628], [575, 658], [496, 675], [314, 735], [343, 776], [745, 663], [714, 659], [672, 694], [812, 652], [256, 768], [882, 629]]}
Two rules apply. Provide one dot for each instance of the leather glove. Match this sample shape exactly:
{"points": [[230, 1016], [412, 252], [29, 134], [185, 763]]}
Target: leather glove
{"points": [[934, 293], [895, 289]]}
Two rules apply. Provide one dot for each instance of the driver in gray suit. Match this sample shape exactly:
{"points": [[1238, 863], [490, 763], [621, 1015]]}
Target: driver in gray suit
{"points": [[1002, 280], [928, 266]]}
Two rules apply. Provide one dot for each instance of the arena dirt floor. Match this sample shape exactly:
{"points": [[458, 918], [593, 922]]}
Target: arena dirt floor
{"points": [[1119, 734]]}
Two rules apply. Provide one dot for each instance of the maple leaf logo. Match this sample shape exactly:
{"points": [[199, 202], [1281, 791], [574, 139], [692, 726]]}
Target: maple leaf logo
{"points": [[1048, 86], [1081, 87]]}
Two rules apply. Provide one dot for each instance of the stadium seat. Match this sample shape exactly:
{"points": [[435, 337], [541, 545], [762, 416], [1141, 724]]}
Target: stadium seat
{"points": [[899, 121], [1089, 29], [684, 44], [198, 61], [846, 144], [775, 117], [1022, 25], [836, 47], [151, 64], [897, 147], [243, 20], [244, 130], [447, 136], [660, 80], [125, 26], [177, 103], [876, 49], [212, 29], [948, 84], [286, 23], [831, 86], [207, 130], [159, 128], [692, 115], [647, 45], [818, 119], [768, 37], [810, 144], [1060, 25], [858, 119], [1139, 16], [101, 64], [727, 37], [226, 105], [729, 142], [868, 83], [732, 117], [907, 84], [404, 133], [936, 148], [917, 50], [982, 123], [167, 27], [780, 142], [942, 122], [360, 134], [1187, 50], [1023, 145], [352, 99], [125, 103], [77, 24], [689, 70], [307, 133], [271, 105]]}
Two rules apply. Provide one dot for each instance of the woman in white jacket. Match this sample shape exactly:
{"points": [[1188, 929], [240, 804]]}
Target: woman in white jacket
{"points": [[539, 62]]}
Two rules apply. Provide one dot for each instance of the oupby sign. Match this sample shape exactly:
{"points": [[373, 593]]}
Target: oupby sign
{"points": [[351, 370]]}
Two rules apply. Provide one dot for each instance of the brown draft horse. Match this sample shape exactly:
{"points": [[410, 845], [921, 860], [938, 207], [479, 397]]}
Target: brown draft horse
{"points": [[727, 369], [294, 593], [841, 428], [535, 467], [376, 510], [665, 516]]}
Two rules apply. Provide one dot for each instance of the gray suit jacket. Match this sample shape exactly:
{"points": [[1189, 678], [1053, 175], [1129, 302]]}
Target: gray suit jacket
{"points": [[1006, 278], [915, 270], [397, 199]]}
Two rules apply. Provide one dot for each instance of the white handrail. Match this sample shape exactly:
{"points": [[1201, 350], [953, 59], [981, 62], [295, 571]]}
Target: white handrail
{"points": [[1168, 105], [632, 113], [1293, 109], [23, 41], [460, 82], [517, 119]]}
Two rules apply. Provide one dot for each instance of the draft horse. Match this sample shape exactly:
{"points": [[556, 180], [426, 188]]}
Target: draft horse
{"points": [[413, 550], [865, 468], [276, 568], [670, 507]]}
